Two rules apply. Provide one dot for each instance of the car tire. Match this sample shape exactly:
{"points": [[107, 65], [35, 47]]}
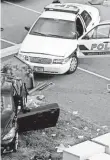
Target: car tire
{"points": [[73, 65], [15, 147]]}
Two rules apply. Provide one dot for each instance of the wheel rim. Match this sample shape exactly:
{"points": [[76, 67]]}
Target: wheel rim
{"points": [[73, 64], [16, 142]]}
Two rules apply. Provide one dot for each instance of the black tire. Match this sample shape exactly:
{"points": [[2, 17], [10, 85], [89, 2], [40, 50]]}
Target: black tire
{"points": [[15, 147], [73, 65]]}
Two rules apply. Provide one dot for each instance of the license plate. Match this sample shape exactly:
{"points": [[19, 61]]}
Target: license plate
{"points": [[39, 69]]}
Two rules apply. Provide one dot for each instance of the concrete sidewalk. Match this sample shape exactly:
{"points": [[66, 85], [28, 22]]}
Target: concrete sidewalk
{"points": [[10, 51]]}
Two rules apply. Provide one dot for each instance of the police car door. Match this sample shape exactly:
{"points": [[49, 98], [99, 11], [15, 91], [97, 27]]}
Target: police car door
{"points": [[96, 42]]}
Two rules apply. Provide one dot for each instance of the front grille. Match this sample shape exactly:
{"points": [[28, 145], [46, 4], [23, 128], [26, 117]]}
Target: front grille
{"points": [[40, 60]]}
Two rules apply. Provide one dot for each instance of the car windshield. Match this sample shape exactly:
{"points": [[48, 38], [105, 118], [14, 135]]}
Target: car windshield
{"points": [[54, 28]]}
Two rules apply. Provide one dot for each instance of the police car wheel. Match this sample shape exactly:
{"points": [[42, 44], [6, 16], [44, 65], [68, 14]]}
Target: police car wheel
{"points": [[73, 65], [16, 143]]}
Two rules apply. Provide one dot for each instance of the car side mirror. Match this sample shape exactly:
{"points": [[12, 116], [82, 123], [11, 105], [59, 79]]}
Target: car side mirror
{"points": [[27, 28]]}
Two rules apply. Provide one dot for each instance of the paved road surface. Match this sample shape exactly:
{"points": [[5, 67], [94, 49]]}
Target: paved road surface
{"points": [[80, 91], [5, 45]]}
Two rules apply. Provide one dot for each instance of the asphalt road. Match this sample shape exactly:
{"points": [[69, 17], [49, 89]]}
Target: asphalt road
{"points": [[81, 91]]}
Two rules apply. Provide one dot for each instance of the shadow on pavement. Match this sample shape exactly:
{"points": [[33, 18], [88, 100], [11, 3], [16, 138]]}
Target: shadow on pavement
{"points": [[43, 77]]}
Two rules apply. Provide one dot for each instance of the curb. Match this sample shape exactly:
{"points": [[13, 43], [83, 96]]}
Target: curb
{"points": [[10, 51], [92, 149]]}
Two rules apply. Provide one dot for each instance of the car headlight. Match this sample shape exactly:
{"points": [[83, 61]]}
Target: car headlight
{"points": [[23, 57], [26, 58], [61, 61], [9, 135]]}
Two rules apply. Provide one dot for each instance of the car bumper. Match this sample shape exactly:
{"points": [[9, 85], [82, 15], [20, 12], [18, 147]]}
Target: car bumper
{"points": [[50, 68]]}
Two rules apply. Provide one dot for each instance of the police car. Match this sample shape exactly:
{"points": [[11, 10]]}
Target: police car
{"points": [[51, 44]]}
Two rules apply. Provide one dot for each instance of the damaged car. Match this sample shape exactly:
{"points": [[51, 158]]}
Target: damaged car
{"points": [[17, 117], [9, 126]]}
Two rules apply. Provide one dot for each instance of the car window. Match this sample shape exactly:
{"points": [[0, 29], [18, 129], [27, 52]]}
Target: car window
{"points": [[89, 35], [86, 17], [55, 28], [99, 32], [79, 27]]}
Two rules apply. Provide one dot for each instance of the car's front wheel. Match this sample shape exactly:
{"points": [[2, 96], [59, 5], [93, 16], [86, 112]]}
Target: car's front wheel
{"points": [[73, 64]]}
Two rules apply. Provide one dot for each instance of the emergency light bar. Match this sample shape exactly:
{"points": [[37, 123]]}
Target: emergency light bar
{"points": [[69, 8]]}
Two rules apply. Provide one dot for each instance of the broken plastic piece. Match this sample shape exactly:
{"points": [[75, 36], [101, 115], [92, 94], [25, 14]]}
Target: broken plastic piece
{"points": [[60, 148]]}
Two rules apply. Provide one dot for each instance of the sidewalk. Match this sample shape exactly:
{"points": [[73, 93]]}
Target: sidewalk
{"points": [[10, 51]]}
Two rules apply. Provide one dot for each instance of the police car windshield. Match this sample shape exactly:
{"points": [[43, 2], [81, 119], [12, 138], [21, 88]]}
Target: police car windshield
{"points": [[54, 28]]}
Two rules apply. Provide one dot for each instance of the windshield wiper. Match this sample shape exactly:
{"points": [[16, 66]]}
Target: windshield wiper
{"points": [[50, 35], [38, 33], [57, 36], [42, 34]]}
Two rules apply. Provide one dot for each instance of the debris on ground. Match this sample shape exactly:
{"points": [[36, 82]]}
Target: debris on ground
{"points": [[35, 101], [81, 137], [47, 84], [40, 144], [85, 128], [105, 128], [98, 130], [2, 29], [75, 112], [53, 135], [40, 97], [75, 128], [60, 148]]}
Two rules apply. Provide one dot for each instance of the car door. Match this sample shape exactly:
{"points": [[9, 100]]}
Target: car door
{"points": [[87, 19], [96, 42], [39, 118], [80, 26]]}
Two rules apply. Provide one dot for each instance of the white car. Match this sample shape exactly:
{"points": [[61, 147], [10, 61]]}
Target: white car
{"points": [[51, 44]]}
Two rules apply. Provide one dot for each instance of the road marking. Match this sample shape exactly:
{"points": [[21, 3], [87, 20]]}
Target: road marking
{"points": [[95, 74], [22, 7], [7, 41]]}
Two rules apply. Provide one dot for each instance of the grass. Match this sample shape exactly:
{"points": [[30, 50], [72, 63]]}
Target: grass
{"points": [[41, 144]]}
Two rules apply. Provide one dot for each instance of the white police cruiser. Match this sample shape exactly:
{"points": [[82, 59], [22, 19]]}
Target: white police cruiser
{"points": [[51, 44]]}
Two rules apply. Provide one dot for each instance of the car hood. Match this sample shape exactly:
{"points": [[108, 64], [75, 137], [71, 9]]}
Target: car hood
{"points": [[48, 45], [5, 118]]}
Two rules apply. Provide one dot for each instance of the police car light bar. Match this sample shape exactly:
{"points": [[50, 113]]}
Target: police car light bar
{"points": [[62, 8]]}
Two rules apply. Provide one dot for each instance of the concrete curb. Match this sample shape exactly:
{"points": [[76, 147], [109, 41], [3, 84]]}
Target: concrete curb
{"points": [[90, 149], [10, 51]]}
